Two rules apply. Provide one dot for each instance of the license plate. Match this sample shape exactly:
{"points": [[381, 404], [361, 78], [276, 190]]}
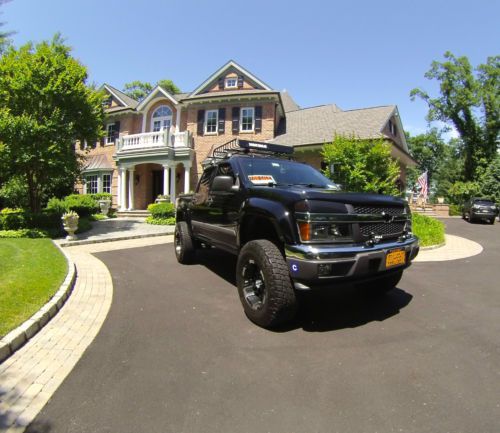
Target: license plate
{"points": [[395, 258]]}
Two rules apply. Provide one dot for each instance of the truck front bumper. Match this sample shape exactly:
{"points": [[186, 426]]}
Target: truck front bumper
{"points": [[311, 266]]}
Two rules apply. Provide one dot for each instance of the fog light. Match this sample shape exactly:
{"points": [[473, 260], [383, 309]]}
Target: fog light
{"points": [[324, 269]]}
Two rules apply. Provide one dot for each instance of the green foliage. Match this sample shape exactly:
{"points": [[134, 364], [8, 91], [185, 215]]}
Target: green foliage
{"points": [[490, 181], [83, 204], [470, 103], [455, 210], [170, 221], [429, 230], [12, 219], [24, 233], [162, 210], [428, 150], [361, 165], [101, 196], [138, 90], [14, 192], [461, 191], [45, 106]]}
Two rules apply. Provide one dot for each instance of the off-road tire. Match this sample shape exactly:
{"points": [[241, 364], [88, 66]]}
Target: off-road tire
{"points": [[277, 303], [184, 245], [380, 286], [492, 221]]}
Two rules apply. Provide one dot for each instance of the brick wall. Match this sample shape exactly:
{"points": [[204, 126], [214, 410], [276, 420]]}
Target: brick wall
{"points": [[203, 143]]}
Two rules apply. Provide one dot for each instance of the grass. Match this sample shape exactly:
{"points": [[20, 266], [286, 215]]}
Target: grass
{"points": [[31, 271], [429, 230]]}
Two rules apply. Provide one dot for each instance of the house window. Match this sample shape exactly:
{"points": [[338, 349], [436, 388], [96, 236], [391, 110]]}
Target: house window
{"points": [[211, 120], [393, 128], [247, 119], [106, 183], [161, 118], [110, 133], [92, 184], [231, 83]]}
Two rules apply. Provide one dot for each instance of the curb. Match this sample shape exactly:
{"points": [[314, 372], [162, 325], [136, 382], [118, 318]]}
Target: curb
{"points": [[433, 247], [117, 238], [18, 337]]}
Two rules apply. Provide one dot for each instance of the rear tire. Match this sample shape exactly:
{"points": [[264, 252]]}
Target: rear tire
{"points": [[382, 285], [184, 245], [264, 284]]}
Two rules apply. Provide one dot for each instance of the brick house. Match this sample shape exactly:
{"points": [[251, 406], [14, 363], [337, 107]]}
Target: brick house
{"points": [[156, 146]]}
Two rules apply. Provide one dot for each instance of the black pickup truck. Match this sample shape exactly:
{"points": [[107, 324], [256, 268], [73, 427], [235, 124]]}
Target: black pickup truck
{"points": [[291, 228]]}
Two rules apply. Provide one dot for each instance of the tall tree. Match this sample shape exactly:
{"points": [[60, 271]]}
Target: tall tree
{"points": [[361, 165], [138, 90], [469, 101], [428, 150], [45, 106]]}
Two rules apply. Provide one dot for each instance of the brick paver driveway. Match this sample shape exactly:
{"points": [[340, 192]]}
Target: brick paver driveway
{"points": [[176, 353]]}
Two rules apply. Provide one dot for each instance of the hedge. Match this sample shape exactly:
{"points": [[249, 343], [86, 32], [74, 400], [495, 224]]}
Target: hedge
{"points": [[162, 210]]}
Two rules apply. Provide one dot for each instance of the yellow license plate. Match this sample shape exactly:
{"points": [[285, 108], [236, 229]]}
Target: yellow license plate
{"points": [[395, 258]]}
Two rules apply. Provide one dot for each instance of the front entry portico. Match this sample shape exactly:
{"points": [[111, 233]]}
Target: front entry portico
{"points": [[140, 184]]}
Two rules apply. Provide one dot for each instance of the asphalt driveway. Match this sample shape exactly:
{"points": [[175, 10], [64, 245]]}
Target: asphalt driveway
{"points": [[176, 353]]}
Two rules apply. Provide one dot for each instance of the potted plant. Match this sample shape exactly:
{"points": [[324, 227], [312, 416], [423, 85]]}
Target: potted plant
{"points": [[70, 224], [104, 205], [162, 198], [440, 200]]}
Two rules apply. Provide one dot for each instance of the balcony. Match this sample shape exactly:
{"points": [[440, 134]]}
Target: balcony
{"points": [[162, 142]]}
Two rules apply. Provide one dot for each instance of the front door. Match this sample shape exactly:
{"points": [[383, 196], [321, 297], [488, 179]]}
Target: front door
{"points": [[157, 184]]}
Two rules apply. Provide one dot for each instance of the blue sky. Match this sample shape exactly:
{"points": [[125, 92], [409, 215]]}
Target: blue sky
{"points": [[353, 53]]}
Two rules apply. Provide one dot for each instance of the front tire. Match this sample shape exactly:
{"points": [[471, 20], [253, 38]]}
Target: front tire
{"points": [[264, 284], [183, 242]]}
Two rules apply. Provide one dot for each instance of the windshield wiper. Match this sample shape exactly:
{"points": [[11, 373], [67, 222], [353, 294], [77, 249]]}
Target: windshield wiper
{"points": [[309, 185]]}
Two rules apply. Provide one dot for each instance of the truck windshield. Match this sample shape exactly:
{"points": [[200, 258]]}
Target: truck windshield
{"points": [[262, 171]]}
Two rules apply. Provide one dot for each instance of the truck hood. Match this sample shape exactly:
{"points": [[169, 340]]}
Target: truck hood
{"points": [[292, 194]]}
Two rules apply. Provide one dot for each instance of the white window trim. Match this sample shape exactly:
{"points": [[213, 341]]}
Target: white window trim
{"points": [[216, 122], [253, 119], [100, 182], [227, 86], [107, 133], [160, 118]]}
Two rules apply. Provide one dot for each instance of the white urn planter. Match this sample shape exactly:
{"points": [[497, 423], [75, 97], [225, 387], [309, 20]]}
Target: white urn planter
{"points": [[104, 206], [70, 224], [440, 200]]}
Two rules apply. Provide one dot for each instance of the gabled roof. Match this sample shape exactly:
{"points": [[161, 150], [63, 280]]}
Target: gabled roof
{"points": [[121, 97], [317, 125], [152, 94], [288, 103], [224, 68]]}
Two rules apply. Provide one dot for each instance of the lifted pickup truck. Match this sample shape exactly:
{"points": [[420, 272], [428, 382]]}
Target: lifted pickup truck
{"points": [[291, 228]]}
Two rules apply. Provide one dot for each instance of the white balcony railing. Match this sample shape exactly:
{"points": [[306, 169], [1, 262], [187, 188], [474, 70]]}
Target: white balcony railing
{"points": [[160, 139]]}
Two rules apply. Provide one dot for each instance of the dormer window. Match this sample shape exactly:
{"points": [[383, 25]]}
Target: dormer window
{"points": [[393, 128], [231, 83]]}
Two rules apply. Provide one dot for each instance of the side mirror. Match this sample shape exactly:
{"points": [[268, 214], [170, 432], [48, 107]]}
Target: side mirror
{"points": [[222, 184]]}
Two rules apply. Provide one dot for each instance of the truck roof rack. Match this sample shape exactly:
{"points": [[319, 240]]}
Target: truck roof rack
{"points": [[246, 147]]}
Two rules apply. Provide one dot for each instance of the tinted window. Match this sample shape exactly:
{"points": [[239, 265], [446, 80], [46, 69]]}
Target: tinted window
{"points": [[484, 202]]}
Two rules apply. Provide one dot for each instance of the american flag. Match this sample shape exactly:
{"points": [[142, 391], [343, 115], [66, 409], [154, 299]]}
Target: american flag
{"points": [[422, 181]]}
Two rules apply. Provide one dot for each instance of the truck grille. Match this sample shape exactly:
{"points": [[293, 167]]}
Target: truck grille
{"points": [[393, 229], [376, 210]]}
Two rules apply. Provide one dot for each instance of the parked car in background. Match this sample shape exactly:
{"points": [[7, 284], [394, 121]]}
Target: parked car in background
{"points": [[477, 208]]}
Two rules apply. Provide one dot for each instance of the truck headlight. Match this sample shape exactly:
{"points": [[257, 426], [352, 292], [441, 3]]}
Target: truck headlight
{"points": [[323, 231]]}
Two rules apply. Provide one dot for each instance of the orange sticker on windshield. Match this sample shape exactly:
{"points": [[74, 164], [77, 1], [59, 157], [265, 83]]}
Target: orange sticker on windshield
{"points": [[261, 179]]}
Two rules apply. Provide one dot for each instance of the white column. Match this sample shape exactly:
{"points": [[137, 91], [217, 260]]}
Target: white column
{"points": [[172, 184], [123, 189], [166, 177], [178, 119], [144, 118], [131, 188], [187, 169]]}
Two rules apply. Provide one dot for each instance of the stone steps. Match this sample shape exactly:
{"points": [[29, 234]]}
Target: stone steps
{"points": [[133, 214]]}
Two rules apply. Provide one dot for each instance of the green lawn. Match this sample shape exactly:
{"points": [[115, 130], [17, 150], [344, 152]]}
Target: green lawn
{"points": [[31, 271], [429, 230]]}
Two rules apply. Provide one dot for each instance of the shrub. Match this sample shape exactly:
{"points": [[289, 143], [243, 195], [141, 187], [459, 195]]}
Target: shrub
{"points": [[429, 230], [101, 196], [12, 219], [23, 233], [83, 204], [57, 205], [170, 221], [14, 192], [162, 210], [455, 209]]}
